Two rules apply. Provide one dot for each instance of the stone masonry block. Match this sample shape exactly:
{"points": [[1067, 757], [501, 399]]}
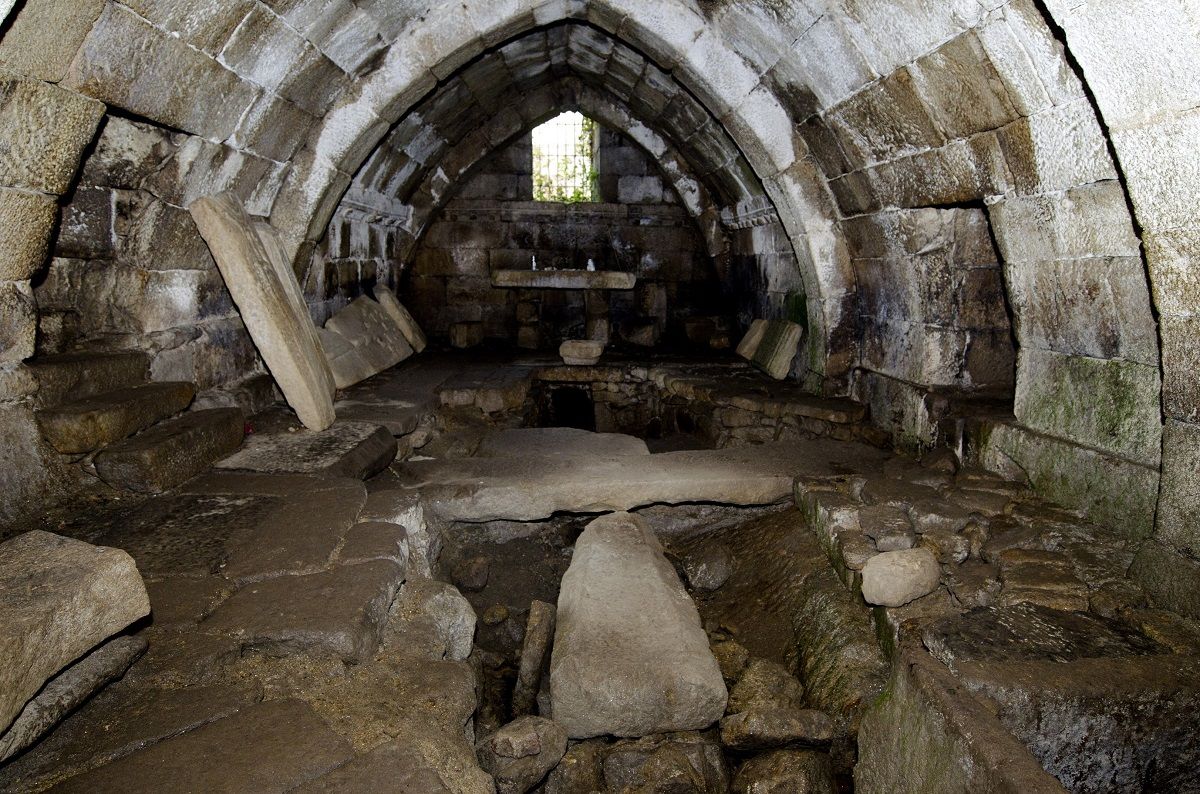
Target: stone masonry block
{"points": [[18, 322], [1112, 492], [128, 63], [1172, 256], [962, 88], [1111, 405], [1180, 495], [45, 35], [45, 130], [1181, 367], [1093, 306], [1163, 173], [1086, 221], [26, 220]]}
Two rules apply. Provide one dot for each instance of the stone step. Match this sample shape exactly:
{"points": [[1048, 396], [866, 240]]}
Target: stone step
{"points": [[172, 452], [75, 376], [97, 421]]}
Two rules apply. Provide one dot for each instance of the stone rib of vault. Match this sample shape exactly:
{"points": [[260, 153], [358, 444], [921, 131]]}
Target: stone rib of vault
{"points": [[271, 305], [630, 656]]}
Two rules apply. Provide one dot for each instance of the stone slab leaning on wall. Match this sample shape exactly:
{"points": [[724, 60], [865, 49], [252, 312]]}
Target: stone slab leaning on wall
{"points": [[271, 305]]}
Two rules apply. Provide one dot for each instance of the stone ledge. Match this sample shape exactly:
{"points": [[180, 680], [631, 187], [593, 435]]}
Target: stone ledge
{"points": [[564, 279]]}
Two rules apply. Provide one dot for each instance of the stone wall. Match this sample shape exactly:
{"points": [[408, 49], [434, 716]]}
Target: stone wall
{"points": [[360, 250], [934, 317], [128, 268], [494, 224]]}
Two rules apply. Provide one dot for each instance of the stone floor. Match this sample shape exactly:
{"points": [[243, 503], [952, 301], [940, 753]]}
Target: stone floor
{"points": [[305, 631]]}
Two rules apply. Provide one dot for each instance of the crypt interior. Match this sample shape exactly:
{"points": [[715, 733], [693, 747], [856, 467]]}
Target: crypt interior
{"points": [[569, 396]]}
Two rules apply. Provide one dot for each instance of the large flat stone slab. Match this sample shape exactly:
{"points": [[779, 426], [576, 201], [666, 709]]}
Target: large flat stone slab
{"points": [[346, 363], [341, 611], [346, 449], [630, 657], [561, 441], [1029, 632], [61, 599], [91, 738], [376, 337], [401, 417], [271, 305], [1101, 724], [97, 421], [67, 690], [172, 452], [770, 345], [401, 317], [184, 534], [391, 768], [270, 747], [533, 487], [299, 536]]}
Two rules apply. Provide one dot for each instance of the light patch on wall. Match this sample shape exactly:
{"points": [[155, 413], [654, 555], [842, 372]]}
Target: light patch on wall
{"points": [[564, 159]]}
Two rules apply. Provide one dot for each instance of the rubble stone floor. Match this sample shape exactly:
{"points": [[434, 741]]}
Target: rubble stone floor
{"points": [[305, 634]]}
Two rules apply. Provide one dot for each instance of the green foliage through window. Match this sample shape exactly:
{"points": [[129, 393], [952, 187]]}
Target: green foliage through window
{"points": [[564, 159]]}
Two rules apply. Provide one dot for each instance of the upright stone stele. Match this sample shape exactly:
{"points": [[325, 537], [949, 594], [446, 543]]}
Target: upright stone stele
{"points": [[630, 656], [271, 306]]}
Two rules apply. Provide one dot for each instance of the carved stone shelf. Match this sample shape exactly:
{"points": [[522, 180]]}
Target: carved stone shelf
{"points": [[563, 279]]}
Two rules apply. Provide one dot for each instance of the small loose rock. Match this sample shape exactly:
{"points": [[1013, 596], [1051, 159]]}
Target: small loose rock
{"points": [[471, 574], [770, 728], [894, 578], [765, 684], [708, 567]]}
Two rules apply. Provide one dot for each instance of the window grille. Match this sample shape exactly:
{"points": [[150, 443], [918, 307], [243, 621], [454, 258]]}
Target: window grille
{"points": [[564, 159]]}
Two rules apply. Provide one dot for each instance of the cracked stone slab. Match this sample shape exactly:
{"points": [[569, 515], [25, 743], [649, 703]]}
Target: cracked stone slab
{"points": [[1029, 632], [341, 611], [67, 690], [273, 746], [346, 449], [299, 536], [91, 737], [562, 441], [535, 487]]}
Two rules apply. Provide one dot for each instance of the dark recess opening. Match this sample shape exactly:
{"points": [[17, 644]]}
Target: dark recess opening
{"points": [[572, 407]]}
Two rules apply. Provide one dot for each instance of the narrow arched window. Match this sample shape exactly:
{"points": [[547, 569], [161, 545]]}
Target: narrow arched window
{"points": [[564, 159]]}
